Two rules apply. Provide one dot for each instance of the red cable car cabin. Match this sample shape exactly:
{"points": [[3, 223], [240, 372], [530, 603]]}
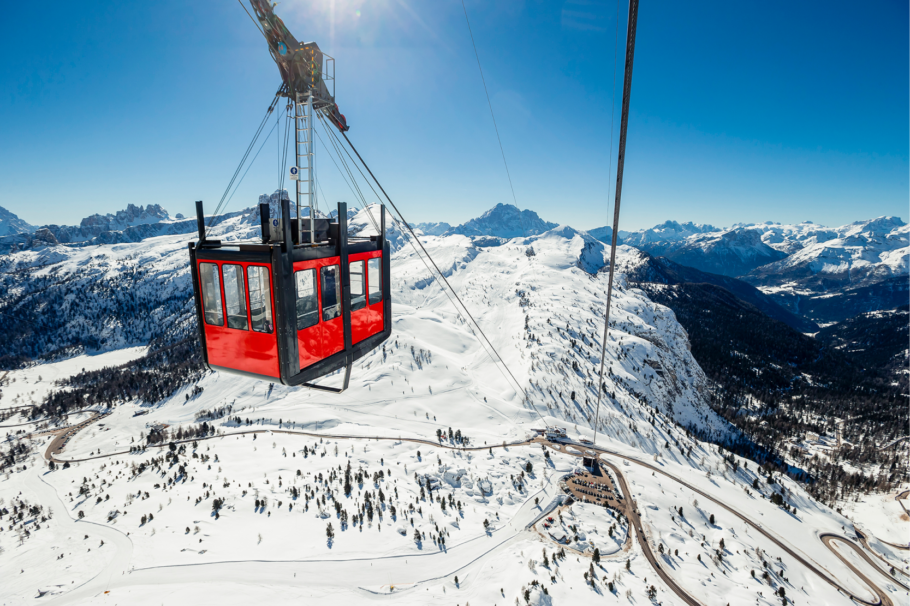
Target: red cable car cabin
{"points": [[292, 313]]}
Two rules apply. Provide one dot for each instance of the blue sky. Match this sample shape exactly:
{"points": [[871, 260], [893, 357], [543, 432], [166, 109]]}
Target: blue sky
{"points": [[741, 111]]}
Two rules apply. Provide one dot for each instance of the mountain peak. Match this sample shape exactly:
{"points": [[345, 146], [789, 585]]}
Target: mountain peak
{"points": [[132, 216], [10, 224], [504, 221]]}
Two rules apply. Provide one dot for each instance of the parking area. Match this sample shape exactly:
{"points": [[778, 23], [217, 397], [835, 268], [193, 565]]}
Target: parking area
{"points": [[593, 486]]}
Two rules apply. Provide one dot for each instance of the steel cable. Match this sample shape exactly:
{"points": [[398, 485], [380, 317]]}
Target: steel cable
{"points": [[447, 288], [221, 203], [620, 162]]}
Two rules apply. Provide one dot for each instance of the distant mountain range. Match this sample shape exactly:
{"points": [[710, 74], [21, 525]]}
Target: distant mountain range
{"points": [[799, 274], [858, 254], [820, 273], [432, 229], [666, 232]]}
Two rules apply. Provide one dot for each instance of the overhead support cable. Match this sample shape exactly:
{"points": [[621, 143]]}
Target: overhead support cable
{"points": [[258, 28], [250, 165], [222, 202], [284, 156], [336, 145], [432, 268], [524, 233], [620, 162], [352, 184], [439, 276]]}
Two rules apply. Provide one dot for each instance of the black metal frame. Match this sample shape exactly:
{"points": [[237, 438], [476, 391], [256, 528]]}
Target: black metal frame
{"points": [[280, 256]]}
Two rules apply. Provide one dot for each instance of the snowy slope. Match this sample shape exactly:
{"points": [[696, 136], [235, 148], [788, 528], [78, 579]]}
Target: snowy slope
{"points": [[10, 224], [666, 232], [435, 228], [549, 286], [604, 234], [539, 299], [860, 253]]}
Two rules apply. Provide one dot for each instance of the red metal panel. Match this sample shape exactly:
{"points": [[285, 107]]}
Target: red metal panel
{"points": [[311, 342], [327, 338], [246, 350], [309, 345], [367, 321]]}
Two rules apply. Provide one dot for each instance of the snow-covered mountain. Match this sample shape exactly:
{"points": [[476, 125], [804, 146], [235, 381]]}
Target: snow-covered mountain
{"points": [[103, 226], [422, 520], [728, 252], [791, 238], [733, 252], [433, 228], [122, 219], [604, 234], [663, 234], [504, 221], [10, 224], [807, 258], [857, 254], [538, 298]]}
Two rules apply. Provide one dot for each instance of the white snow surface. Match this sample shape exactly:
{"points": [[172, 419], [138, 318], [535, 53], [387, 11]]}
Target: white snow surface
{"points": [[543, 311]]}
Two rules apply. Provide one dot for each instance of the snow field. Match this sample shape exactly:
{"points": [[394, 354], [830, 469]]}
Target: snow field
{"points": [[31, 386], [593, 524], [659, 498], [243, 469], [543, 313], [882, 516]]}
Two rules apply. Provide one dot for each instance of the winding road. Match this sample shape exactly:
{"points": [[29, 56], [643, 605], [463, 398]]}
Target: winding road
{"points": [[425, 567]]}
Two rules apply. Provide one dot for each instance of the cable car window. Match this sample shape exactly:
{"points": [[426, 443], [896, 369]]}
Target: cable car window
{"points": [[260, 298], [307, 304], [211, 294], [358, 292], [331, 292], [234, 296], [374, 277]]}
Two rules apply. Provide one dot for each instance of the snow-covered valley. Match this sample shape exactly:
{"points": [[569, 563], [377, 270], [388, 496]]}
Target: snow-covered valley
{"points": [[428, 469]]}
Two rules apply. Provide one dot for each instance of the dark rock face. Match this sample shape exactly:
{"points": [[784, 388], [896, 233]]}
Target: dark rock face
{"points": [[95, 226], [504, 221], [659, 270]]}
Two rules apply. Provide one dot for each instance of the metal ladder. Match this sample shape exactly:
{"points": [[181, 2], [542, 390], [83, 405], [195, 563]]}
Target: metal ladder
{"points": [[303, 142]]}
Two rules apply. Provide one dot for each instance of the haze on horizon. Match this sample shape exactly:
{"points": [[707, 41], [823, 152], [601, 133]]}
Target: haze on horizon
{"points": [[738, 115]]}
